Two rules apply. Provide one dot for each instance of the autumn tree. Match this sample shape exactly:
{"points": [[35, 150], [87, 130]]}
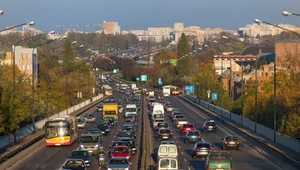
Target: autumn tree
{"points": [[183, 50]]}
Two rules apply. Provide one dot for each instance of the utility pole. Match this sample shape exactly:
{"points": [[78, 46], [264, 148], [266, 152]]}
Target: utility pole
{"points": [[149, 50]]}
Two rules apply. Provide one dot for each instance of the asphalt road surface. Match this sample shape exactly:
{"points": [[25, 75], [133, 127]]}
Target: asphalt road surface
{"points": [[249, 157], [38, 156]]}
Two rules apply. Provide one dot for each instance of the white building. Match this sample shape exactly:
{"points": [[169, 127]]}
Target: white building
{"points": [[26, 60], [27, 29], [178, 26]]}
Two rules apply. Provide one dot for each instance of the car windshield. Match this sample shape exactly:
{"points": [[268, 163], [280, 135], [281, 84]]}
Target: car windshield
{"points": [[165, 163], [203, 145], [90, 115], [89, 139], [80, 120], [120, 150], [165, 125], [75, 164], [103, 126], [119, 144], [118, 161], [79, 154], [130, 109]]}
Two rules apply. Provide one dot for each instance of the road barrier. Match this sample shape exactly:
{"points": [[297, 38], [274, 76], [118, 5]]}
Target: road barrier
{"points": [[21, 133], [84, 106], [265, 132]]}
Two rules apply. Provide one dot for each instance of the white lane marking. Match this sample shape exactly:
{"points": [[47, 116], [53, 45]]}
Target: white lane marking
{"points": [[178, 146], [114, 137], [184, 160], [189, 168], [182, 153], [112, 141]]}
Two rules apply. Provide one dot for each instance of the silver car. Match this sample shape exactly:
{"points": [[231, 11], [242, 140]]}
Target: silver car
{"points": [[81, 122], [119, 163], [90, 142], [90, 117]]}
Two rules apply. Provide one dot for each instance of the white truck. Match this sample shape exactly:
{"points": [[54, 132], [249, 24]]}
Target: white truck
{"points": [[133, 86], [166, 90]]}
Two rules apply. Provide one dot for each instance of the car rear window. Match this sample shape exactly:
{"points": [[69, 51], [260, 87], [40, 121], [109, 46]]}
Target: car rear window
{"points": [[210, 123], [231, 138], [203, 145], [165, 131]]}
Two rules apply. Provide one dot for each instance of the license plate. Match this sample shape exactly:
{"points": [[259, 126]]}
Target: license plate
{"points": [[165, 137], [219, 169], [231, 142], [90, 151], [210, 127]]}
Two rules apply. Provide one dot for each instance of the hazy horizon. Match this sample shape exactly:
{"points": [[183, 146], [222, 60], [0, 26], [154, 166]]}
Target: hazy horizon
{"points": [[137, 14]]}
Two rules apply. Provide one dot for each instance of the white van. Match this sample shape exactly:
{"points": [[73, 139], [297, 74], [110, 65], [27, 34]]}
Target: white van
{"points": [[167, 164], [131, 109], [158, 109], [167, 150]]}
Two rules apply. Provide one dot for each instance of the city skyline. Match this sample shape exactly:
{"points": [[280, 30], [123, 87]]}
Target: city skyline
{"points": [[133, 14]]}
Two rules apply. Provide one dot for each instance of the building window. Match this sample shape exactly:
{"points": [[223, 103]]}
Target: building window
{"points": [[28, 67], [266, 74], [24, 67], [22, 56], [26, 55]]}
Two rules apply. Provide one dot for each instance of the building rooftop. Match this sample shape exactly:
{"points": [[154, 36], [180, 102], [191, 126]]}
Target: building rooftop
{"points": [[255, 50], [289, 41]]}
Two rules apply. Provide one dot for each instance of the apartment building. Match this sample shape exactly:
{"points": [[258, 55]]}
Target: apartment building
{"points": [[110, 28], [288, 54]]}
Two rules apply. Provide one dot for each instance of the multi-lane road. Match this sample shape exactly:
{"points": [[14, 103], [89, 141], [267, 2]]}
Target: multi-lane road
{"points": [[248, 157], [38, 156]]}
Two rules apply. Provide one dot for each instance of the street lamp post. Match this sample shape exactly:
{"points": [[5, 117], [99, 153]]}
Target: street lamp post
{"points": [[27, 23], [1, 12], [287, 13], [33, 81]]}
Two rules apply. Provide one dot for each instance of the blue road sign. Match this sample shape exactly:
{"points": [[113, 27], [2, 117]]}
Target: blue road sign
{"points": [[189, 89], [214, 96], [159, 81]]}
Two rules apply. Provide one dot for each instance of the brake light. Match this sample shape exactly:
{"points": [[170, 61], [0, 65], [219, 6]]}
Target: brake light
{"points": [[205, 127], [230, 168], [208, 169], [210, 149], [237, 142], [225, 142], [196, 149]]}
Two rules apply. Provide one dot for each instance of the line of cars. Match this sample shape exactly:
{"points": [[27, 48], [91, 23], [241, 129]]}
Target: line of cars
{"points": [[214, 159], [90, 141]]}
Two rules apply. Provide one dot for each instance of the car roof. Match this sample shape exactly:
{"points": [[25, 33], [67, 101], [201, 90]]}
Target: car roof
{"points": [[79, 151], [89, 134], [118, 158], [120, 146], [161, 158], [125, 137]]}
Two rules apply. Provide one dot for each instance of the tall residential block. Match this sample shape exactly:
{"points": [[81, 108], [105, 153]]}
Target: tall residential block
{"points": [[110, 28], [178, 26]]}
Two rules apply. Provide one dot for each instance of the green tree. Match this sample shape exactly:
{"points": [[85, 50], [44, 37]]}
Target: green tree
{"points": [[183, 50]]}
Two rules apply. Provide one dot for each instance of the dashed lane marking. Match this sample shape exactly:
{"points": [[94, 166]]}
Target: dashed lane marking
{"points": [[184, 160], [189, 168], [182, 153]]}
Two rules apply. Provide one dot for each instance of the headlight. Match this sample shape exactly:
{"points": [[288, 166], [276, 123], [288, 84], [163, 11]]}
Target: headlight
{"points": [[133, 149], [86, 161], [101, 159], [126, 169], [101, 147], [106, 129], [127, 157], [81, 146], [96, 146]]}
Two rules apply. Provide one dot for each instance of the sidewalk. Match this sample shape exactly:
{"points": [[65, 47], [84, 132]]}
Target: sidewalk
{"points": [[285, 153], [6, 150]]}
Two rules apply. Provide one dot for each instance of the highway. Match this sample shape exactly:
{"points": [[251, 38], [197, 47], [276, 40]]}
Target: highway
{"points": [[248, 157], [38, 156]]}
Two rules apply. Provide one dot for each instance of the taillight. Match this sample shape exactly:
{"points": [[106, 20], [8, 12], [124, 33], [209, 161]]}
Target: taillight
{"points": [[208, 169], [237, 142], [230, 168], [210, 149], [205, 127], [196, 149], [225, 142]]}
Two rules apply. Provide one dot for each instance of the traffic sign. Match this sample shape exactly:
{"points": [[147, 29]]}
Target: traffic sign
{"points": [[115, 71], [143, 77], [189, 89], [159, 81], [214, 96]]}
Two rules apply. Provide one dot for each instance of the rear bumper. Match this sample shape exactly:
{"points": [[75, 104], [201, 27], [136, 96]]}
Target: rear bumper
{"points": [[65, 143]]}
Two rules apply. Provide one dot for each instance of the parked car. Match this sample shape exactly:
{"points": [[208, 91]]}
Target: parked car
{"points": [[230, 142], [201, 149], [193, 136], [82, 154]]}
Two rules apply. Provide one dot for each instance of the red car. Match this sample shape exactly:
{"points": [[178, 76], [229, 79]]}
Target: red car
{"points": [[187, 127], [121, 151]]}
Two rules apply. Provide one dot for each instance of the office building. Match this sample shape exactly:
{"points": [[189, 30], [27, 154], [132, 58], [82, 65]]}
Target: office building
{"points": [[110, 28]]}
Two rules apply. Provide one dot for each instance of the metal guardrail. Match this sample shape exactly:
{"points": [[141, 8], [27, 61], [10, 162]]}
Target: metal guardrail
{"points": [[23, 147], [21, 133], [293, 161]]}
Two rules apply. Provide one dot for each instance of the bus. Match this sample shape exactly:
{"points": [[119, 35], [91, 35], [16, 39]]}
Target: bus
{"points": [[107, 90], [61, 131], [175, 90]]}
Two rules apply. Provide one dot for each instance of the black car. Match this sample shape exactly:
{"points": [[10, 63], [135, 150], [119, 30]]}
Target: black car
{"points": [[164, 134], [104, 129], [111, 120], [162, 125], [99, 107], [125, 134], [82, 154], [131, 142], [74, 164]]}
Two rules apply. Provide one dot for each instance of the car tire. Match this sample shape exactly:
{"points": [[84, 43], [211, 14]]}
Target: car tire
{"points": [[237, 148]]}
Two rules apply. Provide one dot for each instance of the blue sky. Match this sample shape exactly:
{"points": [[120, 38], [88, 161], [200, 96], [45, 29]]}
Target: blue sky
{"points": [[141, 14]]}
